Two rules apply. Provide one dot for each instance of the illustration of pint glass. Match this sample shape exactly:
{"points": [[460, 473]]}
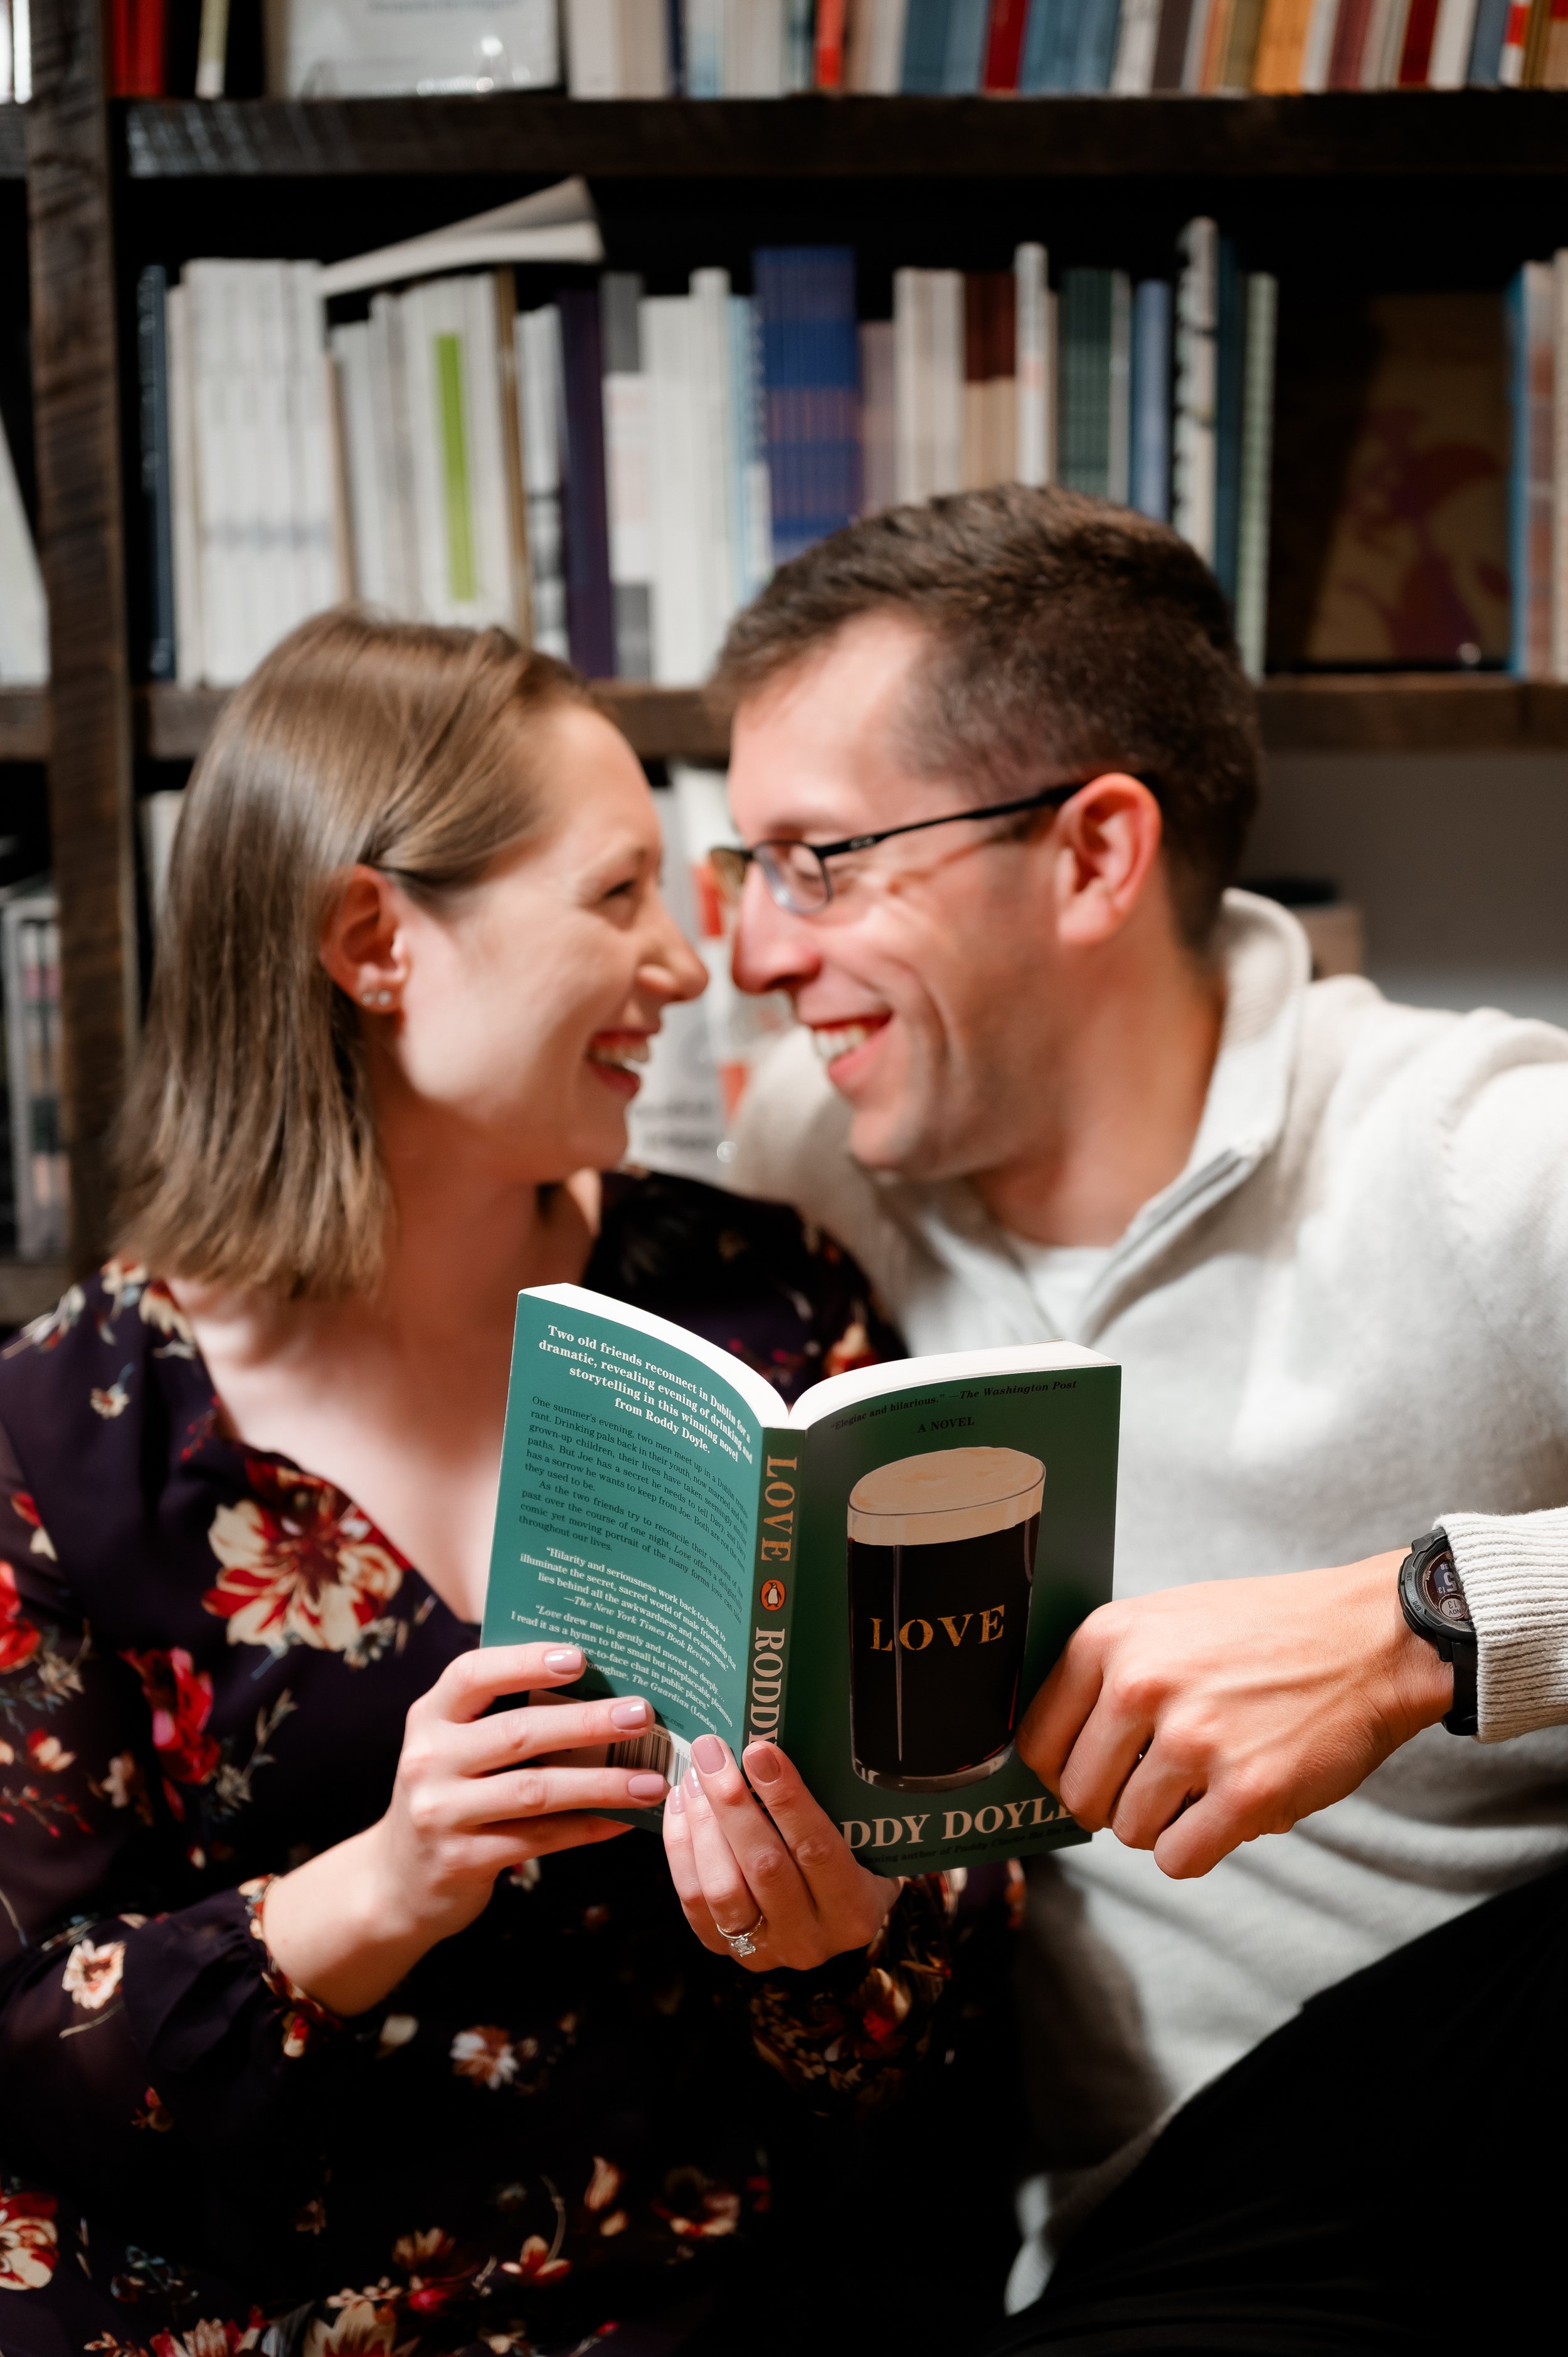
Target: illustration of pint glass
{"points": [[941, 1563]]}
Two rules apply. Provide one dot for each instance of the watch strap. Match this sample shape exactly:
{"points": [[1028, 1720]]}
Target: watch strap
{"points": [[1453, 1644]]}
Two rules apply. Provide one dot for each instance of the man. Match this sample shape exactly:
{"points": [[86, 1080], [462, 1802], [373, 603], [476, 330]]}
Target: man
{"points": [[995, 760]]}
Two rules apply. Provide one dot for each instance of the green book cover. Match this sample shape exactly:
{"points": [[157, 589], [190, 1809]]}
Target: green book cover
{"points": [[878, 1579]]}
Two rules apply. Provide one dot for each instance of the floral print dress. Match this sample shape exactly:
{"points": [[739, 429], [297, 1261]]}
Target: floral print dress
{"points": [[555, 2134]]}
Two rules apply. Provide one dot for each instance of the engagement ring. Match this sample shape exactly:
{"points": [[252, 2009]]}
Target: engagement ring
{"points": [[741, 1943]]}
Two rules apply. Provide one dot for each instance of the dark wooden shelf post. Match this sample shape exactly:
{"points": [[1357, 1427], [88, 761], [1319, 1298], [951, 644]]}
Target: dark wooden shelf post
{"points": [[75, 392]]}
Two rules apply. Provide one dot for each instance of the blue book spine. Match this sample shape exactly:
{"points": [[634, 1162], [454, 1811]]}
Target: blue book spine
{"points": [[1487, 42], [1096, 52], [969, 21], [1231, 374], [810, 375], [924, 47], [800, 45], [1519, 477], [675, 36], [1032, 55], [157, 494], [1061, 64], [1084, 380], [1151, 401]]}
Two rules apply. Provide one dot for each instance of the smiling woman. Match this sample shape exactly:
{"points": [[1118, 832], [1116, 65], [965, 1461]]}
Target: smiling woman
{"points": [[326, 2000]]}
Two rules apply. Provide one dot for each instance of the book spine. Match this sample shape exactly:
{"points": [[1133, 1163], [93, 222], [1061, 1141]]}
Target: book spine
{"points": [[1349, 40], [1237, 63], [351, 352], [718, 521], [152, 304], [810, 358], [189, 667], [1415, 54], [1536, 36], [509, 391], [964, 58], [1084, 377], [24, 618], [539, 375], [1281, 43], [1257, 459], [1516, 31], [1096, 50], [592, 63], [1317, 49], [799, 35], [828, 62], [1453, 33], [1486, 47], [1119, 392], [779, 1492], [884, 45], [925, 47], [878, 418], [590, 604], [1197, 47], [1192, 464], [1036, 367], [1170, 49], [148, 32], [1134, 73], [753, 549], [1150, 484], [1231, 362], [1530, 305], [1004, 45], [626, 474]]}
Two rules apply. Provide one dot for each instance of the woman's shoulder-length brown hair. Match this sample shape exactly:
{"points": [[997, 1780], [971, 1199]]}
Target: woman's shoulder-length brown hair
{"points": [[247, 1154]]}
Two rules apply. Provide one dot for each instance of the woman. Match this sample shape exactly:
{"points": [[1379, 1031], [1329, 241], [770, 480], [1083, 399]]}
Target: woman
{"points": [[329, 2018]]}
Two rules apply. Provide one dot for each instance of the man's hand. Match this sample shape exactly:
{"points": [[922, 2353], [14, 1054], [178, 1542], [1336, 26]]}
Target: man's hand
{"points": [[1196, 1718]]}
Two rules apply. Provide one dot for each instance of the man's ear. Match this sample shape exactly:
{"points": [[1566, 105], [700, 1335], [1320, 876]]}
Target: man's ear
{"points": [[1108, 841], [362, 946]]}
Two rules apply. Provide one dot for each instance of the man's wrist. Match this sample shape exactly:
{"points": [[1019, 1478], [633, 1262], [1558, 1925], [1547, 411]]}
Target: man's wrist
{"points": [[1423, 1680]]}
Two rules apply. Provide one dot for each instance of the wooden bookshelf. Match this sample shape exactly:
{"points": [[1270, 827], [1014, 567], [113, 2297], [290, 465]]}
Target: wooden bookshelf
{"points": [[1376, 135], [1380, 713], [1461, 183]]}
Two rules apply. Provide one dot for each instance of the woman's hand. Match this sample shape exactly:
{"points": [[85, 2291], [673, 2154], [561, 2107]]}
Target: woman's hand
{"points": [[783, 1874], [473, 1796]]}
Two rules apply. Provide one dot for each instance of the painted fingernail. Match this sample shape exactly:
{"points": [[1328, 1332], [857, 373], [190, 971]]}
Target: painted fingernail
{"points": [[563, 1658], [709, 1754], [629, 1714], [764, 1765], [645, 1788], [676, 1803]]}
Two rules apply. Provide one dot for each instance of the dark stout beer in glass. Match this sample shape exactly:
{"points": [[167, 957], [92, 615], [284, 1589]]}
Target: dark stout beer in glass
{"points": [[941, 1563]]}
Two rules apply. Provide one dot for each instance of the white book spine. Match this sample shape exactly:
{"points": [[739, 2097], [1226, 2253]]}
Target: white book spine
{"points": [[394, 457], [540, 379], [679, 607], [188, 602], [1379, 38], [628, 494], [911, 451], [718, 523], [1119, 457], [1257, 459], [642, 48], [486, 427], [351, 352], [593, 65], [753, 38], [703, 26], [1134, 73], [206, 290], [1197, 380], [753, 548], [314, 490], [946, 364], [886, 62], [1036, 366], [878, 414], [1560, 468], [1317, 50], [1449, 67], [24, 621]]}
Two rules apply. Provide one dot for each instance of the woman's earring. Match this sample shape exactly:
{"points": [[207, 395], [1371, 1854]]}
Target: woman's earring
{"points": [[375, 998]]}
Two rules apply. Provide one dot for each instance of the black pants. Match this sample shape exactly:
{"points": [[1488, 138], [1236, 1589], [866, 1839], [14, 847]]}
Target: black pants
{"points": [[1388, 2172]]}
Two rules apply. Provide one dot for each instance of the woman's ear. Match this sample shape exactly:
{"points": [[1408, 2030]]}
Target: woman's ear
{"points": [[362, 946]]}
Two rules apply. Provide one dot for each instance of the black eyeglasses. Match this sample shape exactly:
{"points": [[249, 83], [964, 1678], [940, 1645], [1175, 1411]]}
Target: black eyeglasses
{"points": [[797, 874]]}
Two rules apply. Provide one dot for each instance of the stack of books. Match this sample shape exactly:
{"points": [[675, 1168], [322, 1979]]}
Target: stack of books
{"points": [[614, 474], [774, 49]]}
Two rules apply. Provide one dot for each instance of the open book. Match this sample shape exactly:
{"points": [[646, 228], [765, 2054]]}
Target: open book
{"points": [[878, 1579]]}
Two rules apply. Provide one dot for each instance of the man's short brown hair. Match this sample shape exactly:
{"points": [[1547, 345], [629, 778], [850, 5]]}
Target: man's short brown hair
{"points": [[1071, 635]]}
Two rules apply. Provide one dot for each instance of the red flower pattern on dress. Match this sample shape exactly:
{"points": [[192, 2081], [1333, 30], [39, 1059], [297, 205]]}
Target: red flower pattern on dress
{"points": [[30, 2245], [213, 2338], [179, 1696], [302, 1565], [26, 1510], [19, 1641]]}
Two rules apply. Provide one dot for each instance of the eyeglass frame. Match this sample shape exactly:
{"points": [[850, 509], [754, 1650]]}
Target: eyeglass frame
{"points": [[1048, 798]]}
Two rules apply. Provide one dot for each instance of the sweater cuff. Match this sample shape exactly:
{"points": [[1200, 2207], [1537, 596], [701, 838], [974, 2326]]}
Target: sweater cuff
{"points": [[1515, 1572]]}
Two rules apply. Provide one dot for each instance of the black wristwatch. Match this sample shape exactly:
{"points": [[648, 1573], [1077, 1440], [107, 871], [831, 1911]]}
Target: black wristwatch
{"points": [[1435, 1606]]}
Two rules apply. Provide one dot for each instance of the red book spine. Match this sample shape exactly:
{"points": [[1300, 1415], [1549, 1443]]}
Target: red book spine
{"points": [[1421, 24], [147, 21], [831, 15], [1349, 40], [1005, 46], [120, 49]]}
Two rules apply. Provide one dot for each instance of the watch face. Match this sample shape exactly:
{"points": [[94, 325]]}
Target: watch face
{"points": [[1440, 1587]]}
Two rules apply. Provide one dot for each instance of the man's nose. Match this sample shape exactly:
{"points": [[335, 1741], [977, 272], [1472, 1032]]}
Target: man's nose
{"points": [[773, 949]]}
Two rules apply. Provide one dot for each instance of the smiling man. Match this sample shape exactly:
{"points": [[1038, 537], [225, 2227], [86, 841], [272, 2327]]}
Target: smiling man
{"points": [[994, 763]]}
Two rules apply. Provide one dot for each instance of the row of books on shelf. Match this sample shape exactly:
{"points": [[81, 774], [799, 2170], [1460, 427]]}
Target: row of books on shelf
{"points": [[774, 49], [34, 1196], [616, 473]]}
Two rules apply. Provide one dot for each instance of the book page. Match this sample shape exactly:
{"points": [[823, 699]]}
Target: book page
{"points": [[627, 1508]]}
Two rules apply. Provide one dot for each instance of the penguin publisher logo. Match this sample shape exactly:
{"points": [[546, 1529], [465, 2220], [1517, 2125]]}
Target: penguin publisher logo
{"points": [[772, 1598]]}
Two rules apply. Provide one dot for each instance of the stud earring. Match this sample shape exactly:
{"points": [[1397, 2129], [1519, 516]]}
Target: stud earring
{"points": [[383, 999], [367, 997]]}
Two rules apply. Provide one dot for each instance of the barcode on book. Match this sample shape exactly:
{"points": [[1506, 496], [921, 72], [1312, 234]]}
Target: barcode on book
{"points": [[668, 1755]]}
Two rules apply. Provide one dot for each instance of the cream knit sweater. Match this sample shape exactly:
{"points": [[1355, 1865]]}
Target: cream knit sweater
{"points": [[1346, 1320]]}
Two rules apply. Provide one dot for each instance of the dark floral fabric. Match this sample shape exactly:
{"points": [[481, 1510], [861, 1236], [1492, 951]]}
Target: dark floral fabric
{"points": [[555, 2134]]}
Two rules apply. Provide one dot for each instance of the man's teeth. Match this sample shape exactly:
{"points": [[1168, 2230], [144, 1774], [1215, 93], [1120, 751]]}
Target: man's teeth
{"points": [[619, 1051], [837, 1040]]}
